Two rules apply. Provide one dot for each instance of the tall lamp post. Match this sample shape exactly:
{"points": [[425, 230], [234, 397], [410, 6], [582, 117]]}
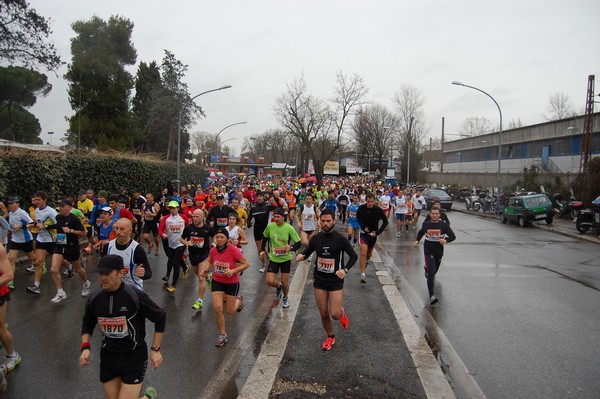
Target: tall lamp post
{"points": [[368, 154], [499, 133], [179, 130]]}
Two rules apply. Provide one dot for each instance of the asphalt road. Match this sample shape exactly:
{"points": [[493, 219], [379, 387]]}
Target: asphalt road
{"points": [[518, 307], [517, 318]]}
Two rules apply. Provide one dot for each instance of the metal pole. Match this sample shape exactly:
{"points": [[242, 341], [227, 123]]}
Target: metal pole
{"points": [[499, 132], [179, 130]]}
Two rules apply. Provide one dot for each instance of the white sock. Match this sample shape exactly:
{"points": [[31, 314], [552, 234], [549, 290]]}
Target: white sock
{"points": [[61, 292]]}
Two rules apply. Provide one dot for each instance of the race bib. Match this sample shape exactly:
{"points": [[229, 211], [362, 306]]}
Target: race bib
{"points": [[198, 242], [221, 267], [280, 251], [352, 214], [343, 202], [433, 234], [309, 216], [113, 327], [137, 211], [221, 221], [326, 265], [61, 238], [175, 228]]}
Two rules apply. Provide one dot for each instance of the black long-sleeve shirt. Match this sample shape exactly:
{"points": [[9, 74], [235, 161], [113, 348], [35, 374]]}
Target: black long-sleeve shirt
{"points": [[433, 231], [260, 213], [368, 219], [122, 316], [329, 248], [219, 216]]}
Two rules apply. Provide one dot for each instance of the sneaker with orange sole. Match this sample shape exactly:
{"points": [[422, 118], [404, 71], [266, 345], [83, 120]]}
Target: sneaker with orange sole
{"points": [[328, 343], [344, 322]]}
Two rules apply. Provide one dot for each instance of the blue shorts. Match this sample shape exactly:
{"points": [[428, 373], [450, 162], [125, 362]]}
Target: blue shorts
{"points": [[401, 216], [354, 225], [367, 239]]}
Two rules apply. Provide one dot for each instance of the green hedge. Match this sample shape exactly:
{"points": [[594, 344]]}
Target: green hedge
{"points": [[23, 173]]}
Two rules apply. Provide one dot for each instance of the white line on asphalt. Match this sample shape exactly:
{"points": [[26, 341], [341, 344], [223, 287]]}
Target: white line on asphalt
{"points": [[262, 376], [433, 379]]}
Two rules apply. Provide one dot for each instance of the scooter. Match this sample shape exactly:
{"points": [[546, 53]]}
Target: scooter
{"points": [[589, 218], [570, 208], [472, 202]]}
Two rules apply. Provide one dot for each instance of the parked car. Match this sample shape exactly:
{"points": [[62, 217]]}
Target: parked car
{"points": [[435, 194], [524, 209]]}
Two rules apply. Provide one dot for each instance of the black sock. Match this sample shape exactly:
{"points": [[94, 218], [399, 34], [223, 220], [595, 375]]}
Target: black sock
{"points": [[332, 336]]}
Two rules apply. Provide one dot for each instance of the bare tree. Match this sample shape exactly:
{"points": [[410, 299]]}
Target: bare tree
{"points": [[475, 126], [376, 133], [559, 107], [514, 123], [409, 104], [319, 125]]}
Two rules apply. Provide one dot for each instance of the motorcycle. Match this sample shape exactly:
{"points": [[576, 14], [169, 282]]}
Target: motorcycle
{"points": [[589, 218], [564, 207]]}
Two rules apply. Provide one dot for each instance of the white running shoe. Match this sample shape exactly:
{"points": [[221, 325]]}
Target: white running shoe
{"points": [[58, 297], [85, 291]]}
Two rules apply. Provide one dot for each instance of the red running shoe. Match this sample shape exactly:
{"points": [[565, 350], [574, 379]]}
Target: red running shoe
{"points": [[344, 322], [328, 343]]}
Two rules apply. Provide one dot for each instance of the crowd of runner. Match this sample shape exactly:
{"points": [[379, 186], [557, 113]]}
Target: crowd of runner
{"points": [[207, 231]]}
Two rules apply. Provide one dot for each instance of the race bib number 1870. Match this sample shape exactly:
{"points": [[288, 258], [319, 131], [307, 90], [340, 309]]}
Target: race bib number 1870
{"points": [[113, 327]]}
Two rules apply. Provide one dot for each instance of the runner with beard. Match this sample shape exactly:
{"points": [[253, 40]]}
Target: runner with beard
{"points": [[369, 215], [329, 273]]}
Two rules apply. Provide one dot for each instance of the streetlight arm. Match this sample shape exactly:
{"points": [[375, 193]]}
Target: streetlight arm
{"points": [[221, 131], [179, 129], [487, 94]]}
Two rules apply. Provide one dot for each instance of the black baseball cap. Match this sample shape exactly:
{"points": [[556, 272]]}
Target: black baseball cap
{"points": [[109, 263], [279, 211]]}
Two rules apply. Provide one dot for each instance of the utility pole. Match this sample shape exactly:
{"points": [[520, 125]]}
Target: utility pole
{"points": [[588, 125]]}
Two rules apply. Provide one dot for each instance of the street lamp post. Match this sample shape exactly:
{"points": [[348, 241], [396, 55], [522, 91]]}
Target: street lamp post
{"points": [[368, 154], [499, 132], [217, 144], [179, 130]]}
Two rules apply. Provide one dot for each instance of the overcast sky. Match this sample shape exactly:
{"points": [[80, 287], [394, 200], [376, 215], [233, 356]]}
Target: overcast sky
{"points": [[520, 52]]}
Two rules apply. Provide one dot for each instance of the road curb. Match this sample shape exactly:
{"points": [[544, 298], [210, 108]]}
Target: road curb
{"points": [[432, 378], [262, 376]]}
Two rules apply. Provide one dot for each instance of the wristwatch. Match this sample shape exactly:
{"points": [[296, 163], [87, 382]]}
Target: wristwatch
{"points": [[155, 348], [346, 270]]}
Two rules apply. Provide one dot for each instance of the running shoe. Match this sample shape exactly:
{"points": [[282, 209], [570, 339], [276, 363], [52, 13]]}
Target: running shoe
{"points": [[58, 297], [66, 271], [156, 253], [34, 289], [11, 284], [433, 300], [151, 393], [240, 298], [165, 279], [87, 250], [85, 291], [186, 273], [398, 235], [197, 305], [261, 270], [363, 278], [328, 343], [12, 361], [70, 273], [344, 322], [222, 340], [31, 269], [285, 303], [279, 292], [150, 249], [171, 289]]}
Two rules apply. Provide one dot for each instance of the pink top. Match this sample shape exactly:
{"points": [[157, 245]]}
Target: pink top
{"points": [[223, 262]]}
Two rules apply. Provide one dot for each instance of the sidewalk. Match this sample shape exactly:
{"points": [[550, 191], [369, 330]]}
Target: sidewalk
{"points": [[376, 357]]}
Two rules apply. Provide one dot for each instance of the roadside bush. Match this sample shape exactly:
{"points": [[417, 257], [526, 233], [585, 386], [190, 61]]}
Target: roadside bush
{"points": [[587, 184], [23, 173]]}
